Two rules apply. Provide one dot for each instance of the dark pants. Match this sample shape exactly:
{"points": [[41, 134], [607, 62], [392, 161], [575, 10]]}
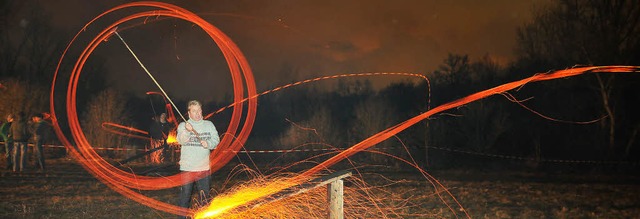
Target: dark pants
{"points": [[38, 150], [19, 155], [8, 148], [202, 188]]}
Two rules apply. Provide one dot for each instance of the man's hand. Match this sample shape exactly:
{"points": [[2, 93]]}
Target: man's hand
{"points": [[189, 127], [204, 144]]}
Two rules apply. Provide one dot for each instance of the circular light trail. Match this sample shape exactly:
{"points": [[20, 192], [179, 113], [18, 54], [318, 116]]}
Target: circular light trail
{"points": [[125, 182]]}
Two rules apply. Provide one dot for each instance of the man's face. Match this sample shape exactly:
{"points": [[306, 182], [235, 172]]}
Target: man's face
{"points": [[195, 112], [9, 119], [163, 117]]}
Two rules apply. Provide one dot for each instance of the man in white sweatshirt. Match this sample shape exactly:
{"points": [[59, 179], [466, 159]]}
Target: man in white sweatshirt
{"points": [[197, 137]]}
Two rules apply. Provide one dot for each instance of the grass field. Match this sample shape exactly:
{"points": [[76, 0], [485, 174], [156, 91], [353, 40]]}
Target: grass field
{"points": [[68, 191]]}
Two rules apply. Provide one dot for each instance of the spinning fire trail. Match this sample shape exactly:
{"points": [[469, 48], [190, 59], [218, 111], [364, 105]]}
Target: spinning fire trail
{"points": [[244, 111]]}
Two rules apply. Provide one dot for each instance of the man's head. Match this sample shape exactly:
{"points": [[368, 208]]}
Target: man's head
{"points": [[9, 118], [194, 108]]}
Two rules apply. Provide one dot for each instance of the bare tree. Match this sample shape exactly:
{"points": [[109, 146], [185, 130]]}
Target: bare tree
{"points": [[596, 32], [372, 116], [482, 123], [592, 32], [455, 69], [317, 132], [317, 129], [19, 96], [107, 106], [30, 44]]}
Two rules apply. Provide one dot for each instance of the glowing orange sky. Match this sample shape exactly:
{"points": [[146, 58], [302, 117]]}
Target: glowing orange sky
{"points": [[313, 38]]}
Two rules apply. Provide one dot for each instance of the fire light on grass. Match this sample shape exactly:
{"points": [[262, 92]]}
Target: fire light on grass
{"points": [[278, 197], [257, 189]]}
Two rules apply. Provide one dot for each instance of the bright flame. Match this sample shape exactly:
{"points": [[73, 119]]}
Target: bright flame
{"points": [[243, 196], [171, 139]]}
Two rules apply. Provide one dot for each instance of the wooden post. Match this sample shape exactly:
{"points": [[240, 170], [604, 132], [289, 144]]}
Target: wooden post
{"points": [[335, 191]]}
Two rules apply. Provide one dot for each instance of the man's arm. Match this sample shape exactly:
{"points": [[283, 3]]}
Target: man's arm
{"points": [[183, 134], [4, 131], [215, 138]]}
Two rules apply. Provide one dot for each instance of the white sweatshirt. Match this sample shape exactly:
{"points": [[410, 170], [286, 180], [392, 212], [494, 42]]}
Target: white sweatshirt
{"points": [[193, 157]]}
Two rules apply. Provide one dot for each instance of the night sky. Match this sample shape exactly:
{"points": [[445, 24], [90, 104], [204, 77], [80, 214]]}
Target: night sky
{"points": [[309, 38]]}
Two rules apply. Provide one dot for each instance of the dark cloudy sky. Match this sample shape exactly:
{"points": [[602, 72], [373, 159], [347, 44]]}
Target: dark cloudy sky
{"points": [[313, 38]]}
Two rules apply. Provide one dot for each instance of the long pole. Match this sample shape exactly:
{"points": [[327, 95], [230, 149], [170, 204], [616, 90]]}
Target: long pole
{"points": [[154, 81], [150, 75]]}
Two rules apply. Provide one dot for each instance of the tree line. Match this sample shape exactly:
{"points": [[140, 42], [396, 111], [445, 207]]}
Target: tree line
{"points": [[587, 117]]}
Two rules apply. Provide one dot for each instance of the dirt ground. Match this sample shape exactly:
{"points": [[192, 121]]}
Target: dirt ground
{"points": [[66, 190]]}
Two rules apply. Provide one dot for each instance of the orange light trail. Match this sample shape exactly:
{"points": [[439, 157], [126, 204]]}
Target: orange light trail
{"points": [[171, 117], [392, 131], [244, 89], [111, 127], [325, 78], [119, 180], [383, 135]]}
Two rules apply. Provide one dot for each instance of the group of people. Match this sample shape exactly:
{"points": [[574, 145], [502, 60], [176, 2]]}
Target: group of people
{"points": [[16, 133], [196, 136]]}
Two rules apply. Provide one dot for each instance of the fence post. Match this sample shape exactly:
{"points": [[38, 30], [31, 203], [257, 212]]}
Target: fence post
{"points": [[336, 201]]}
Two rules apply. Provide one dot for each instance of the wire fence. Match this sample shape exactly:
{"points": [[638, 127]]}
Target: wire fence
{"points": [[451, 150]]}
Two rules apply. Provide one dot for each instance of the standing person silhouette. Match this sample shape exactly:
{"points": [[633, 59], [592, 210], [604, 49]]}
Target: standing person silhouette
{"points": [[38, 131], [20, 135], [197, 137], [8, 141], [159, 131]]}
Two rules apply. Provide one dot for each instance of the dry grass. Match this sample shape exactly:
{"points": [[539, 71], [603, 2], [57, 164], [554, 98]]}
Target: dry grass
{"points": [[67, 191]]}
